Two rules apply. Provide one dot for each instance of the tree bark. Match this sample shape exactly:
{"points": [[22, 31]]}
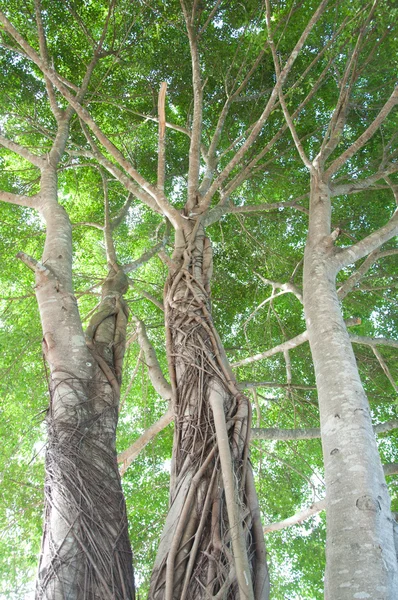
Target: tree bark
{"points": [[360, 556], [212, 544], [85, 548]]}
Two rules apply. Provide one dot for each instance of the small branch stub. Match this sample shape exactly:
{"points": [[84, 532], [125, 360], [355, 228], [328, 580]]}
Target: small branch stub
{"points": [[33, 264], [335, 234]]}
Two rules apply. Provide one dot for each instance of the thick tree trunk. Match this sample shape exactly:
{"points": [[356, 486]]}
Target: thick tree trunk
{"points": [[85, 549], [212, 544], [360, 556]]}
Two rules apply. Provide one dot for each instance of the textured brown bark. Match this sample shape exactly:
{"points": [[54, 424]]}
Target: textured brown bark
{"points": [[360, 556], [196, 557]]}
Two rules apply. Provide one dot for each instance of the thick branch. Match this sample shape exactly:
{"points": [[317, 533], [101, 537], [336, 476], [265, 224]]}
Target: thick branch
{"points": [[109, 245], [152, 299], [29, 201], [285, 287], [360, 185], [212, 160], [352, 281], [118, 174], [390, 469], [351, 254], [251, 385], [127, 456], [162, 137], [57, 112], [194, 149], [340, 112], [288, 345], [285, 110], [35, 160], [122, 214], [156, 376], [221, 209]]}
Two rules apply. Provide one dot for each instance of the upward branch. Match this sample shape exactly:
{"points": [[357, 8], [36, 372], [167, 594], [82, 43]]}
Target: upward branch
{"points": [[371, 242], [194, 148], [35, 160], [286, 113], [256, 129], [365, 136], [57, 112], [75, 102], [162, 137]]}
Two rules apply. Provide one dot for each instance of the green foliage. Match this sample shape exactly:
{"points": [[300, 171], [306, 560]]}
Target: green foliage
{"points": [[145, 45]]}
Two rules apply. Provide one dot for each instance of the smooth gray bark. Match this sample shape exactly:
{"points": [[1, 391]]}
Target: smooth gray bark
{"points": [[360, 554]]}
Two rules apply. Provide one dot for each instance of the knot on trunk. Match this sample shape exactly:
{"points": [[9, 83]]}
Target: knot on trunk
{"points": [[368, 503]]}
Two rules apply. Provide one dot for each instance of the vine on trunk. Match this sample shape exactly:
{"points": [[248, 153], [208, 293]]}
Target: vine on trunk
{"points": [[212, 545], [87, 555]]}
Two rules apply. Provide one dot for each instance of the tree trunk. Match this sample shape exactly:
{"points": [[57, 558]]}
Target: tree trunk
{"points": [[85, 549], [212, 545], [360, 557]]}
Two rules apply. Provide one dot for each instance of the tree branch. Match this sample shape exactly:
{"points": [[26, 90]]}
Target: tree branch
{"points": [[152, 299], [297, 518], [167, 209], [275, 433], [286, 113], [212, 159], [267, 110], [57, 112], [348, 285], [146, 256], [35, 160], [194, 149], [288, 345], [118, 174], [351, 254], [156, 376], [20, 200], [338, 120], [162, 137], [316, 507], [362, 184], [130, 454], [122, 214], [249, 385], [365, 136], [109, 244], [284, 287], [221, 209], [373, 341], [390, 469], [385, 368]]}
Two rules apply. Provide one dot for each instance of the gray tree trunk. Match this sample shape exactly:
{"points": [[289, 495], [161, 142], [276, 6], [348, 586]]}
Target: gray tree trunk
{"points": [[212, 544], [360, 557], [85, 549]]}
